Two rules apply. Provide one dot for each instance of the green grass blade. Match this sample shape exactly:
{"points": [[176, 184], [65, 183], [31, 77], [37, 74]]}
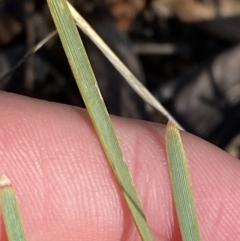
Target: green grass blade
{"points": [[120, 66], [10, 212], [88, 87], [181, 185]]}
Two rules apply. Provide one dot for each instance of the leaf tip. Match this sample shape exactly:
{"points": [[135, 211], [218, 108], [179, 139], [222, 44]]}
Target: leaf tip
{"points": [[171, 124], [172, 127], [4, 181], [172, 131]]}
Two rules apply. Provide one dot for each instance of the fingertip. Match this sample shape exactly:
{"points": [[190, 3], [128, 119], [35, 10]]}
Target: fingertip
{"points": [[71, 192]]}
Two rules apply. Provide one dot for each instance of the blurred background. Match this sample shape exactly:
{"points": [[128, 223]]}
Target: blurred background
{"points": [[185, 52]]}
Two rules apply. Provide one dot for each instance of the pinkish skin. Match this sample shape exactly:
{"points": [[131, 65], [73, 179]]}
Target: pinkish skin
{"points": [[67, 191]]}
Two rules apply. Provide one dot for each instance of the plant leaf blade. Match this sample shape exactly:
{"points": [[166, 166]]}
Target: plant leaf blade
{"points": [[181, 185], [10, 211], [88, 87]]}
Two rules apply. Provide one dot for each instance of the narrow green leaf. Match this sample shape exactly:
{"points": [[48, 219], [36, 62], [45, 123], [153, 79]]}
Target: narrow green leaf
{"points": [[10, 212], [181, 185], [88, 87]]}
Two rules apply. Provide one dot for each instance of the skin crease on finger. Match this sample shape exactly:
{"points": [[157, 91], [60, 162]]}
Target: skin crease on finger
{"points": [[67, 191]]}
